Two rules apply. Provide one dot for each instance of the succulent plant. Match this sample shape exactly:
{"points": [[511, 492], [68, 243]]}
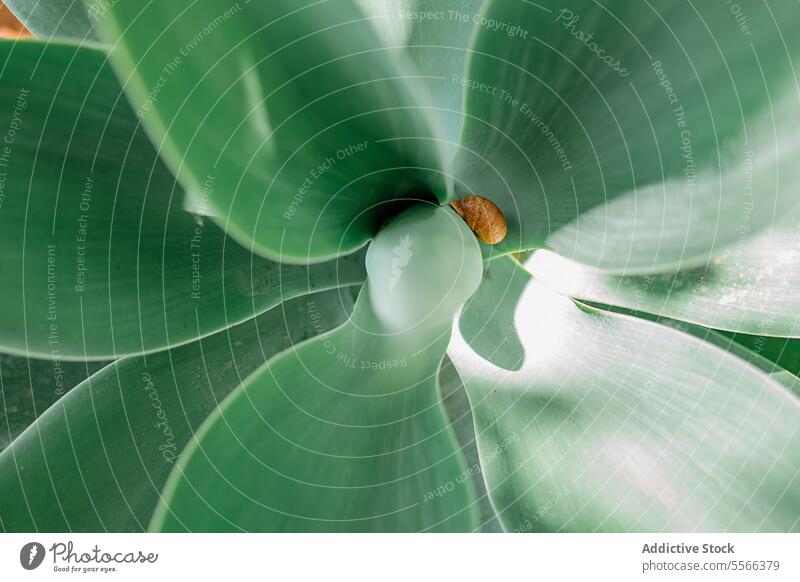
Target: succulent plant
{"points": [[358, 265]]}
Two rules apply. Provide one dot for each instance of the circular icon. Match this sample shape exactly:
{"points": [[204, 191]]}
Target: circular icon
{"points": [[31, 555]]}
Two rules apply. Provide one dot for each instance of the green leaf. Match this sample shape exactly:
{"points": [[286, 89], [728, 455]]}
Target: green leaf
{"points": [[783, 352], [29, 387], [313, 132], [753, 351], [778, 357], [49, 19], [343, 433], [456, 403], [752, 287], [615, 423], [766, 354], [436, 36], [633, 136], [98, 459], [99, 258], [487, 320]]}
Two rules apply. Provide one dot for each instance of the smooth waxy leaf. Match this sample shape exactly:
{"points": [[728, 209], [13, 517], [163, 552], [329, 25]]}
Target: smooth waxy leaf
{"points": [[99, 258], [97, 460], [10, 26], [783, 352], [615, 423], [343, 433], [29, 387], [436, 35], [313, 132], [487, 321], [422, 267], [759, 351], [634, 136], [456, 403], [49, 19], [752, 287], [773, 356]]}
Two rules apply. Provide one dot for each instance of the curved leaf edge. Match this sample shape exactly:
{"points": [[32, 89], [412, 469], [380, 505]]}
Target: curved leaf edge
{"points": [[740, 354], [69, 395], [77, 6], [726, 347], [156, 126], [707, 335], [487, 487], [60, 41], [232, 323], [162, 510]]}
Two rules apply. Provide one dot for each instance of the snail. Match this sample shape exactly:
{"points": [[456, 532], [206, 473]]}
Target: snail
{"points": [[483, 217]]}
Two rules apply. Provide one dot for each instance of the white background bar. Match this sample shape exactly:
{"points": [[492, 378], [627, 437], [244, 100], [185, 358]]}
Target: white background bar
{"points": [[395, 557]]}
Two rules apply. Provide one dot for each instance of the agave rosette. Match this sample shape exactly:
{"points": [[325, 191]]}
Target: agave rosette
{"points": [[190, 193]]}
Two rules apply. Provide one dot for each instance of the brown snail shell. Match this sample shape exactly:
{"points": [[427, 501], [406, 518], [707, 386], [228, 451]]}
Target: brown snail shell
{"points": [[482, 216]]}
